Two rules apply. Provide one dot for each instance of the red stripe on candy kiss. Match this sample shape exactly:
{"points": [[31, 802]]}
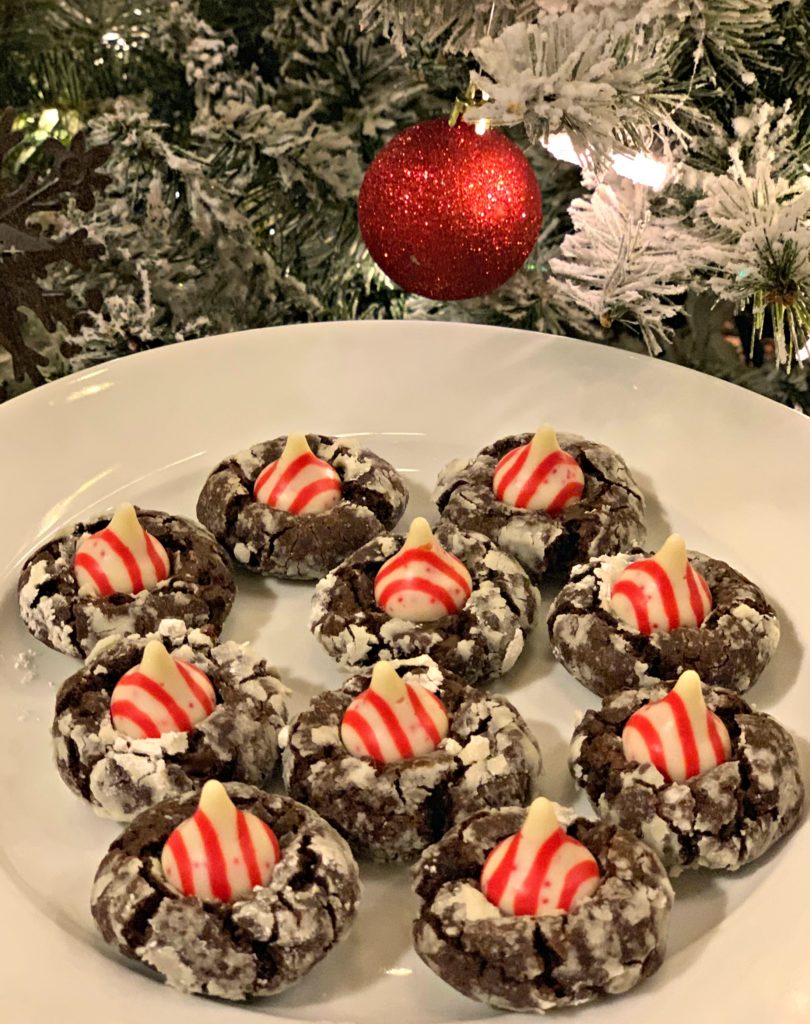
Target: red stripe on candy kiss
{"points": [[638, 602], [518, 457], [96, 573], [423, 587], [538, 476], [127, 557], [395, 730], [126, 709], [572, 490], [202, 698], [154, 557], [263, 477], [664, 585], [715, 738], [527, 894], [423, 715], [289, 474], [496, 886], [695, 598], [686, 734], [182, 861], [352, 719], [177, 714], [306, 494], [420, 555], [652, 741], [248, 850], [215, 861], [574, 880]]}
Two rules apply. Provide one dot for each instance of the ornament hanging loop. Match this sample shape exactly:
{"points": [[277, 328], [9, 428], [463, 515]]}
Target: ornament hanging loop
{"points": [[473, 97]]}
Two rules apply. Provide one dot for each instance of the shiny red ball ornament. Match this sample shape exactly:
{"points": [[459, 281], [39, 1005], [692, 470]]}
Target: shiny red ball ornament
{"points": [[448, 213]]}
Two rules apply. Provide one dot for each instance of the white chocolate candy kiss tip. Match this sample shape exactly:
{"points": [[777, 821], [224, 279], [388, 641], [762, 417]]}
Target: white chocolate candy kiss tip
{"points": [[394, 719], [298, 481], [540, 870], [122, 558], [219, 853], [662, 593], [422, 582], [539, 476]]}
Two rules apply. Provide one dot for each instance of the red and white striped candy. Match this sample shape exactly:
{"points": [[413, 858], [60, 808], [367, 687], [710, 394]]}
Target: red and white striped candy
{"points": [[540, 870], [393, 719], [298, 481], [422, 582], [539, 475], [662, 593], [220, 853], [679, 734], [162, 694], [120, 559]]}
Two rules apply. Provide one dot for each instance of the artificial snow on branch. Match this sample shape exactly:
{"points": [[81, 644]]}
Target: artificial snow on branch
{"points": [[623, 263], [754, 222], [28, 250], [605, 85]]}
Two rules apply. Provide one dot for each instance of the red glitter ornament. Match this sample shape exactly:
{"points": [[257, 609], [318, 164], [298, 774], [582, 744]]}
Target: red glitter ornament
{"points": [[448, 213]]}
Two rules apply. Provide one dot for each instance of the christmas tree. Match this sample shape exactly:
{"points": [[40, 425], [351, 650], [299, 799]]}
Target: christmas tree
{"points": [[212, 154]]}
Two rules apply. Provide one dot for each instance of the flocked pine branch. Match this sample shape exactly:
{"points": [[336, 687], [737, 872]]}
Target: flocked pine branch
{"points": [[754, 223], [623, 263], [580, 73], [455, 26]]}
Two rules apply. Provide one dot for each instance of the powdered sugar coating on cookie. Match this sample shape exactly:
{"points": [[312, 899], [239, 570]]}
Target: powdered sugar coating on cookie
{"points": [[724, 817], [730, 648], [481, 642], [609, 516], [257, 945], [120, 775], [392, 811]]}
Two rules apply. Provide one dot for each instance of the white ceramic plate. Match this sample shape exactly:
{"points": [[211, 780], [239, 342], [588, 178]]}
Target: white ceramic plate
{"points": [[722, 466]]}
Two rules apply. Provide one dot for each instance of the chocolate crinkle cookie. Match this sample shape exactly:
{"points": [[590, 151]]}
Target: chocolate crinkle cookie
{"points": [[120, 771], [607, 517], [723, 818], [605, 945], [392, 811], [730, 648], [275, 541], [199, 587], [478, 643], [253, 945]]}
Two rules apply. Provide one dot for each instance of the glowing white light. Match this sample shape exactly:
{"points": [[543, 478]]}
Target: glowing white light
{"points": [[562, 148], [480, 126], [803, 354], [642, 168], [115, 40], [48, 119]]}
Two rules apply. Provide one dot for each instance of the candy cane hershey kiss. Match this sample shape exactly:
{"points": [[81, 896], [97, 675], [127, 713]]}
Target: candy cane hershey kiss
{"points": [[679, 734], [540, 870], [662, 593], [539, 475], [298, 481], [120, 559], [422, 582], [219, 853], [394, 719]]}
